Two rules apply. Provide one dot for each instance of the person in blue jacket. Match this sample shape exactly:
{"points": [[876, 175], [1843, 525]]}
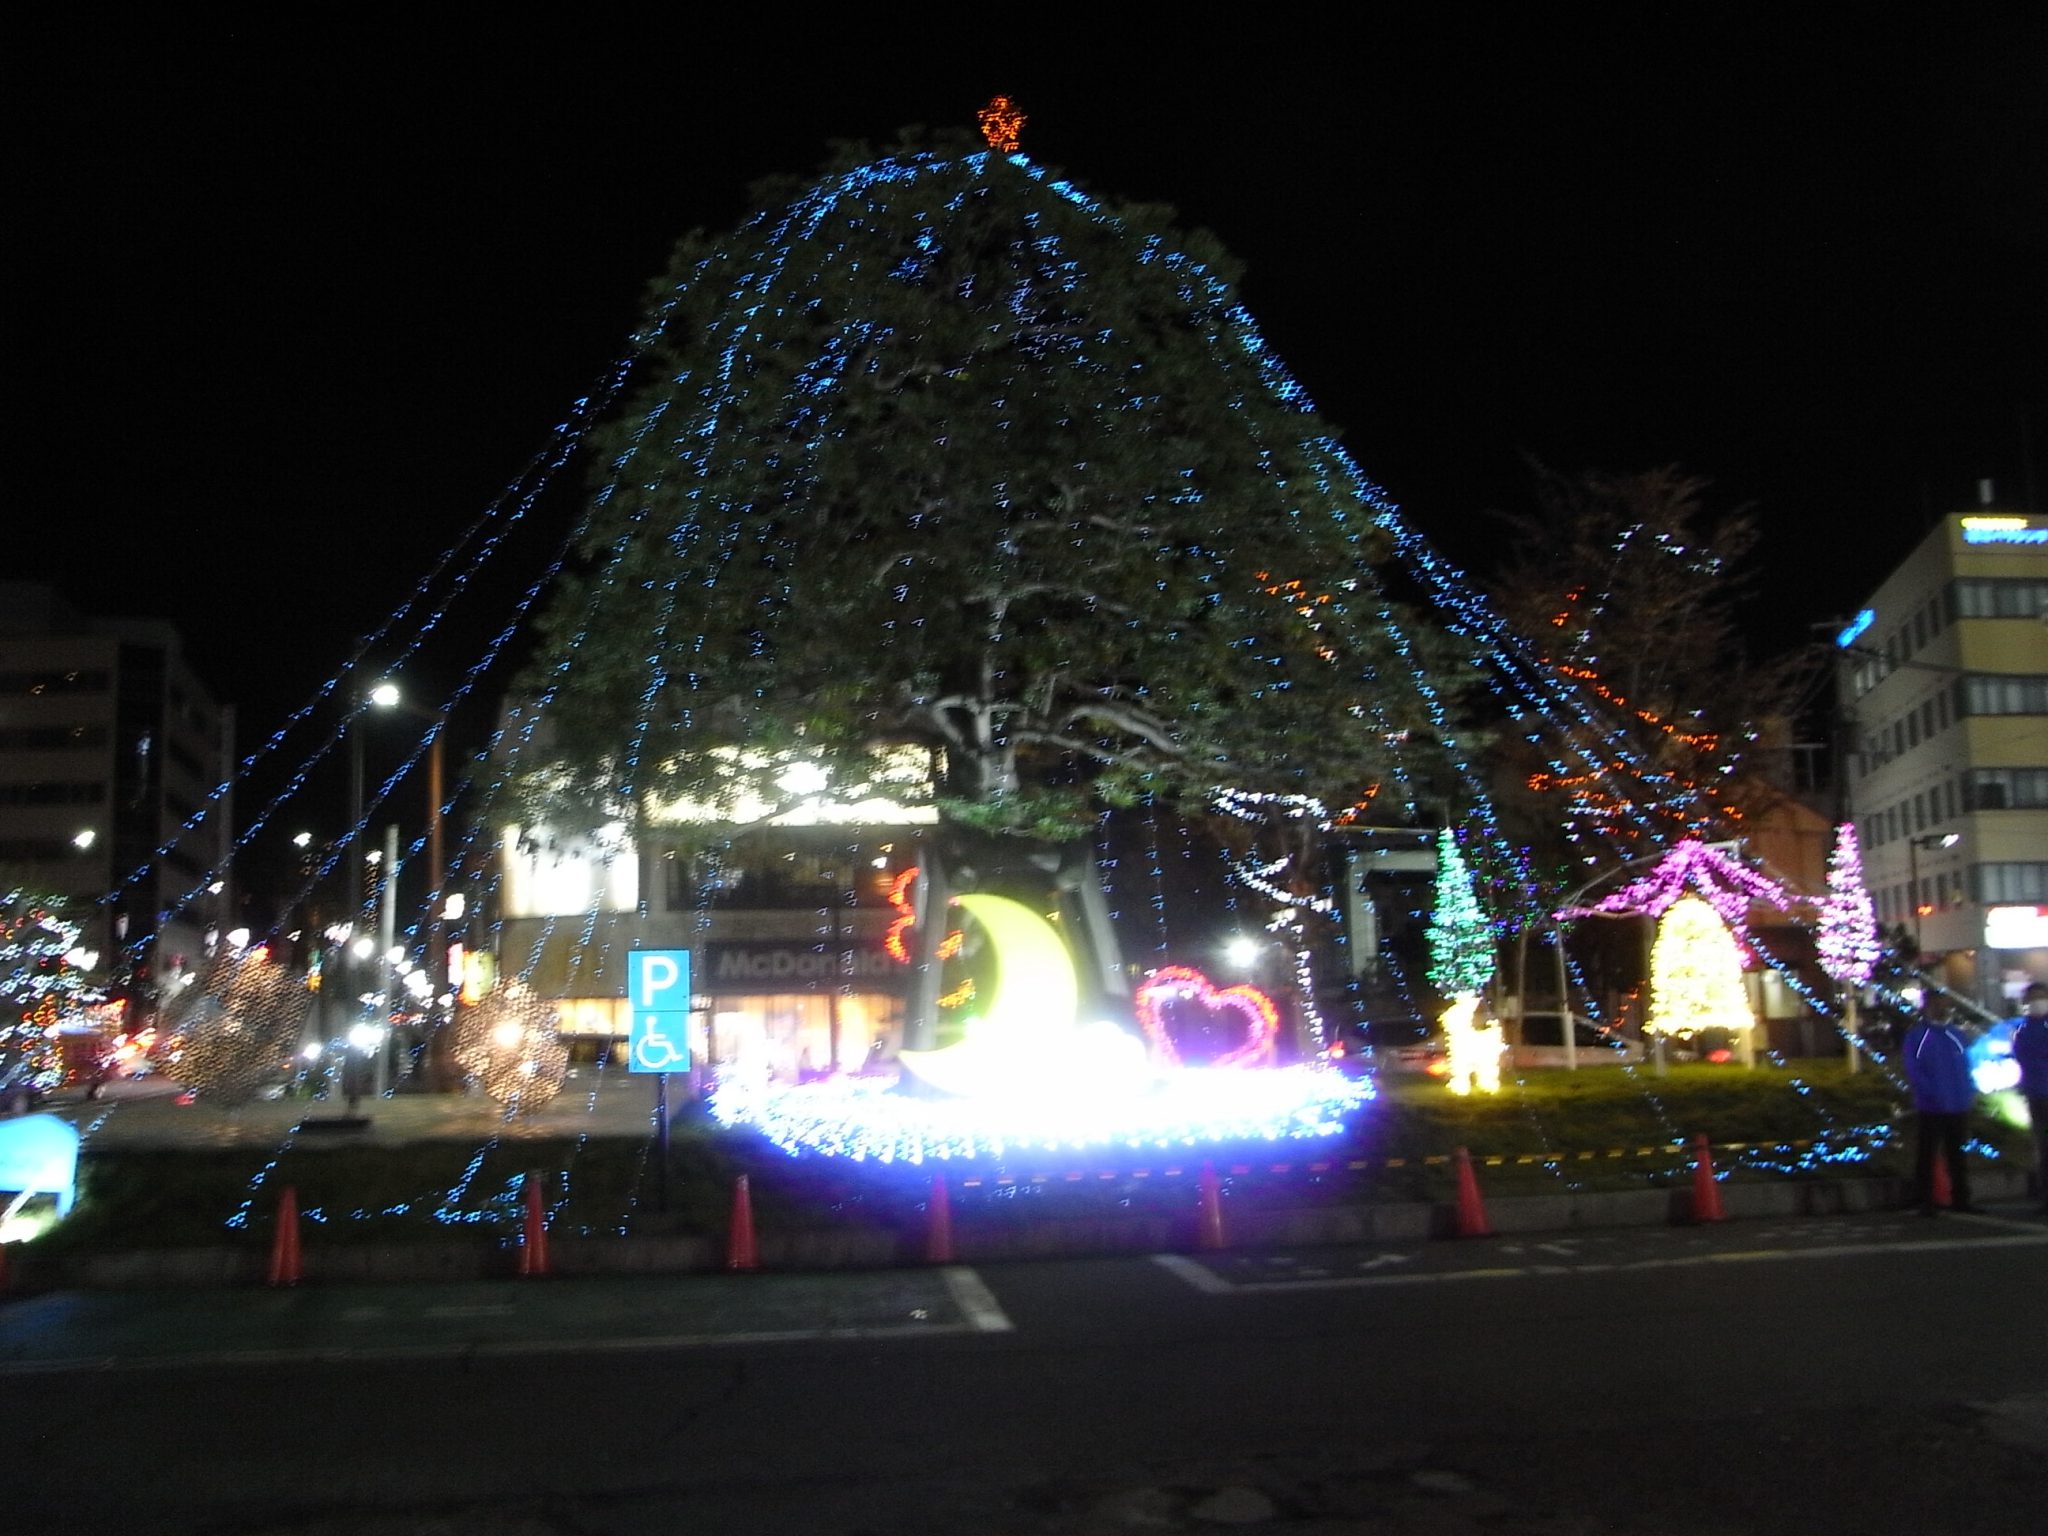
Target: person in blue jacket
{"points": [[2030, 1050], [1937, 1062]]}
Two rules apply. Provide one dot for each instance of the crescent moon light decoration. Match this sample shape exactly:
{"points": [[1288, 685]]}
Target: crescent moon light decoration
{"points": [[1029, 1036], [1030, 1074]]}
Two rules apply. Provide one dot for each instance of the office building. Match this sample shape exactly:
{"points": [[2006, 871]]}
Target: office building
{"points": [[1944, 688], [109, 746]]}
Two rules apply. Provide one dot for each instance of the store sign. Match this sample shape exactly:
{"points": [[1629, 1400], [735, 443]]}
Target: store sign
{"points": [[658, 988], [2016, 928], [2002, 530], [730, 968]]}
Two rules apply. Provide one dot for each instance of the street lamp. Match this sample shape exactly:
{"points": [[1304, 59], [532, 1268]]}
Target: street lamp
{"points": [[386, 695], [1922, 908]]}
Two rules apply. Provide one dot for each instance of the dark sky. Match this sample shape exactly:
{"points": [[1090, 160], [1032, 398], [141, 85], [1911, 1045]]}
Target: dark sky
{"points": [[289, 305]]}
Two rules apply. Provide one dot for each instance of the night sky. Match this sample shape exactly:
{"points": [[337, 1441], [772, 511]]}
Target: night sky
{"points": [[289, 306]]}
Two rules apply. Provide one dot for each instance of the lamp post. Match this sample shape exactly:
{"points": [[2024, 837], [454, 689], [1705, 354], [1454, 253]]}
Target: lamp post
{"points": [[1920, 908], [387, 695]]}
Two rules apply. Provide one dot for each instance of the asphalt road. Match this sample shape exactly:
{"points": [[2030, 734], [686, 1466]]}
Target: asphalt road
{"points": [[1870, 1374]]}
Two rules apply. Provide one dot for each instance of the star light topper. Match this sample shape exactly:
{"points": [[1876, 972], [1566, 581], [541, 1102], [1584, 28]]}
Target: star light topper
{"points": [[1002, 123]]}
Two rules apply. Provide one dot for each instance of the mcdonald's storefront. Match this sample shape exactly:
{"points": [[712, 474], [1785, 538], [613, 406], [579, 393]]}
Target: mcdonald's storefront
{"points": [[791, 1007], [799, 1010]]}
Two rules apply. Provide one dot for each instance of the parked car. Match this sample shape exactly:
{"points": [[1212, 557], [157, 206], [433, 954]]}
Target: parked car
{"points": [[1537, 1040]]}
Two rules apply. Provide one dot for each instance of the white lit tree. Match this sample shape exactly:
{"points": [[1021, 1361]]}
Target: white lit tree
{"points": [[39, 988]]}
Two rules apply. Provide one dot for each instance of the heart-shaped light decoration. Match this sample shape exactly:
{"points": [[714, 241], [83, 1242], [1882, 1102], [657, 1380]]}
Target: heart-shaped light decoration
{"points": [[1177, 994]]}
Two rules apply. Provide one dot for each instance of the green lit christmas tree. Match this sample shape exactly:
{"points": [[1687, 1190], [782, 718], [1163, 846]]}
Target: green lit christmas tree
{"points": [[1461, 956]]}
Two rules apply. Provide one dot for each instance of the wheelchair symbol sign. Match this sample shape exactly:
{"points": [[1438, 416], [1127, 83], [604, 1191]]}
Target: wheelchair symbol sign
{"points": [[658, 990]]}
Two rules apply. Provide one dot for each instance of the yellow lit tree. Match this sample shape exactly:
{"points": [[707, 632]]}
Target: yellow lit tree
{"points": [[1695, 974]]}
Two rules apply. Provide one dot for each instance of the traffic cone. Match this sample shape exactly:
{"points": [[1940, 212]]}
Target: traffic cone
{"points": [[1209, 1230], [1471, 1213], [938, 1233], [1706, 1194], [740, 1252], [284, 1243], [533, 1240], [1941, 1191]]}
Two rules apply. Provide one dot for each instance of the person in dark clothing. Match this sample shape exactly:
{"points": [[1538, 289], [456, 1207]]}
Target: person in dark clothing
{"points": [[2030, 1051], [1937, 1062]]}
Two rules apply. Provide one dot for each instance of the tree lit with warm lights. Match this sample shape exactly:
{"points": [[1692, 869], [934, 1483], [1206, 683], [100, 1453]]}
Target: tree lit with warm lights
{"points": [[1695, 974], [236, 1027]]}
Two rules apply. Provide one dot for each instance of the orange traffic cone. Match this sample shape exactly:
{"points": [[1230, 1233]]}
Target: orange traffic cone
{"points": [[1471, 1213], [1209, 1230], [533, 1240], [1941, 1191], [1706, 1194], [284, 1243], [938, 1232], [740, 1252]]}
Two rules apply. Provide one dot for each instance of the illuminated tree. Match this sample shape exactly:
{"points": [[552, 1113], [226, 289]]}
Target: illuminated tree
{"points": [[236, 1027], [511, 1043], [1695, 974], [938, 452], [1848, 943], [39, 988], [1461, 950], [1631, 594]]}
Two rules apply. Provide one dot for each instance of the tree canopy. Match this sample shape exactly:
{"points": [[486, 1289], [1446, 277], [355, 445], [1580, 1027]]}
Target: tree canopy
{"points": [[938, 452], [1630, 591]]}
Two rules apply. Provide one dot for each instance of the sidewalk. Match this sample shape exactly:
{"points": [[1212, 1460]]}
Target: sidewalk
{"points": [[137, 1114]]}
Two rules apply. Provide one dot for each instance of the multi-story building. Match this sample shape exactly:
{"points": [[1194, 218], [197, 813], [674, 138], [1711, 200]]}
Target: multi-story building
{"points": [[1944, 688], [109, 745]]}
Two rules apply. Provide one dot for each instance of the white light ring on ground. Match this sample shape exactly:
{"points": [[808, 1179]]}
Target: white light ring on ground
{"points": [[1190, 1108]]}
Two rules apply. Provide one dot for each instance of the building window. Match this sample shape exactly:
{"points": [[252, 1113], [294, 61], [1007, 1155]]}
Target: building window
{"points": [[2025, 884], [2006, 789], [86, 680], [53, 738], [1990, 597], [53, 794], [2002, 695]]}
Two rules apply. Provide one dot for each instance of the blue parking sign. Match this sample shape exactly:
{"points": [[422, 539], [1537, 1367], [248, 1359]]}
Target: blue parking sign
{"points": [[658, 990]]}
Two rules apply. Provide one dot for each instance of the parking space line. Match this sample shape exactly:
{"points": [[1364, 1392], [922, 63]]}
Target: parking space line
{"points": [[976, 1301], [1200, 1277]]}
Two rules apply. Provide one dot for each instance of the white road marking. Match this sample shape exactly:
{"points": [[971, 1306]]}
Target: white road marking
{"points": [[501, 1349], [1209, 1282], [976, 1302]]}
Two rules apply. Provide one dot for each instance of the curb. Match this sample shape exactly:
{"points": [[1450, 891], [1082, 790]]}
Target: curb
{"points": [[975, 1242]]}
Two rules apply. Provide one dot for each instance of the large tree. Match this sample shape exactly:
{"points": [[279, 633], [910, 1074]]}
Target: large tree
{"points": [[939, 453], [1629, 592]]}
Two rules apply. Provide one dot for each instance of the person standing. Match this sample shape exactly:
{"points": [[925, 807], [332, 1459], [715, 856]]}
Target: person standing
{"points": [[2030, 1051], [1937, 1062]]}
